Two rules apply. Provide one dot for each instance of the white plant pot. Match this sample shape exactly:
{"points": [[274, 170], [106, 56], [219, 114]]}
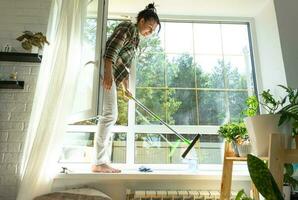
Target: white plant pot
{"points": [[35, 49], [259, 129], [286, 189]]}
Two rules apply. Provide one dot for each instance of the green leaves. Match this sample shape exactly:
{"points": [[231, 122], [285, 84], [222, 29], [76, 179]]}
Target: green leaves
{"points": [[289, 171], [241, 195], [262, 178], [30, 39], [252, 106], [231, 131], [269, 102]]}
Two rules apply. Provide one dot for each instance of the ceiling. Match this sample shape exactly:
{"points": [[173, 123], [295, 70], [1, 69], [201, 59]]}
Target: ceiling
{"points": [[226, 8]]}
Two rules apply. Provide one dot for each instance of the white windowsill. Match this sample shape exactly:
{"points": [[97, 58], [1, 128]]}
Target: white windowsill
{"points": [[155, 175]]}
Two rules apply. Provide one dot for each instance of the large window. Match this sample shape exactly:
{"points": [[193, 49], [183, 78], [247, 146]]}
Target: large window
{"points": [[195, 76]]}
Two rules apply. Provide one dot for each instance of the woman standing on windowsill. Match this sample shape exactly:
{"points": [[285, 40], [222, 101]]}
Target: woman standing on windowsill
{"points": [[119, 54]]}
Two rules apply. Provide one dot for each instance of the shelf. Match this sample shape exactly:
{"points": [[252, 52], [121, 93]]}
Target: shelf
{"points": [[20, 57], [12, 84], [235, 158]]}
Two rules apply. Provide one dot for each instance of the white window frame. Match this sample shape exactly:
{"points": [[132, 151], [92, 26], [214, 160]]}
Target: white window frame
{"points": [[131, 128]]}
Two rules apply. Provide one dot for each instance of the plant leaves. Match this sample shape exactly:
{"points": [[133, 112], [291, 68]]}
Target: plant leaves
{"points": [[263, 179]]}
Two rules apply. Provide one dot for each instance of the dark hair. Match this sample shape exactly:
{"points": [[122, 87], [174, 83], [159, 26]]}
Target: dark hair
{"points": [[149, 13]]}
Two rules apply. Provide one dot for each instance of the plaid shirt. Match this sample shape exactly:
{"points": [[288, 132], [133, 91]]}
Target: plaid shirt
{"points": [[121, 48]]}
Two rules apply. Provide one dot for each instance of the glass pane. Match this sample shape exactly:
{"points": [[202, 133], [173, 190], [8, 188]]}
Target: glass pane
{"points": [[153, 99], [84, 90], [167, 149], [150, 70], [185, 112], [122, 109], [234, 38], [180, 71], [236, 72], [119, 148], [77, 147], [207, 39], [211, 149], [212, 107], [210, 71], [237, 104], [178, 38]]}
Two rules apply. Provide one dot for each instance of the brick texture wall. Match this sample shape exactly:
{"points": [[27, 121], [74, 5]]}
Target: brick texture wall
{"points": [[16, 104]]}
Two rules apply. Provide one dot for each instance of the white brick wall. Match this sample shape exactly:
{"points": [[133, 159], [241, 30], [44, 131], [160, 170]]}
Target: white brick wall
{"points": [[15, 104]]}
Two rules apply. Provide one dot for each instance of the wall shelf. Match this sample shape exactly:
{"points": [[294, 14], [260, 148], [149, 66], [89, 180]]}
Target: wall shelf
{"points": [[20, 57], [12, 84]]}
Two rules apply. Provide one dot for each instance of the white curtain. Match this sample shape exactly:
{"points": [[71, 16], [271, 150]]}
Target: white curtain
{"points": [[53, 97]]}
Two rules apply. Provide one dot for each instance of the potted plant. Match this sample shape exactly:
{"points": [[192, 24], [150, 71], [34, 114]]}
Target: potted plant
{"points": [[259, 127], [263, 179], [234, 132], [30, 40], [289, 113], [290, 183]]}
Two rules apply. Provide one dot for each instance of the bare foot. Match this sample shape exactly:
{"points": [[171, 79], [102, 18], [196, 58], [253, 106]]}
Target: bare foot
{"points": [[104, 168]]}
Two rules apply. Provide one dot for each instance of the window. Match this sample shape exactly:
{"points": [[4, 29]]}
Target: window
{"points": [[195, 76]]}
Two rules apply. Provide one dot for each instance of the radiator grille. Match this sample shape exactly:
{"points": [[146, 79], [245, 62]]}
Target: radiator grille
{"points": [[174, 195]]}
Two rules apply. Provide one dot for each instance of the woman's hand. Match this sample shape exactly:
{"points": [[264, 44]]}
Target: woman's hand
{"points": [[128, 94]]}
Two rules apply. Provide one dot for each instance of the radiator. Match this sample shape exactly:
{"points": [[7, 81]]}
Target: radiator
{"points": [[174, 195]]}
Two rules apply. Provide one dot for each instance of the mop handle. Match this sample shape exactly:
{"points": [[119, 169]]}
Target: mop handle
{"points": [[159, 119], [164, 123], [193, 142]]}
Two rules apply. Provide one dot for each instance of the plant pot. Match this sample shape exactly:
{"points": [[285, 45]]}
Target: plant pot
{"points": [[235, 148], [34, 49], [259, 129], [244, 149], [286, 189]]}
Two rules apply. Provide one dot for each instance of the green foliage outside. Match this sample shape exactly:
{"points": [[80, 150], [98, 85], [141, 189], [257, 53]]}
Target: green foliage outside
{"points": [[178, 90]]}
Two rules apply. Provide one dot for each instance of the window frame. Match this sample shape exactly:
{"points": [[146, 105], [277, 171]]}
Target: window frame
{"points": [[131, 128]]}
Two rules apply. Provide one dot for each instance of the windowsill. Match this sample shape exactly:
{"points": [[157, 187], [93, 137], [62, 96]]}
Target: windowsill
{"points": [[155, 175]]}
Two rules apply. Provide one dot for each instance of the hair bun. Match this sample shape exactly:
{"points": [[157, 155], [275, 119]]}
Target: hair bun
{"points": [[151, 7]]}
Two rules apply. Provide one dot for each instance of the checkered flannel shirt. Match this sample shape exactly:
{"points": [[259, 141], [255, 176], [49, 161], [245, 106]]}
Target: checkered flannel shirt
{"points": [[121, 48]]}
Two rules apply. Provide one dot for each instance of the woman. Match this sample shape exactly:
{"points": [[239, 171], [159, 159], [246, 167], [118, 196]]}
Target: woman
{"points": [[119, 54]]}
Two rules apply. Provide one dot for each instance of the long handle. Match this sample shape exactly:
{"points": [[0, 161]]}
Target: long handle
{"points": [[193, 142], [159, 119]]}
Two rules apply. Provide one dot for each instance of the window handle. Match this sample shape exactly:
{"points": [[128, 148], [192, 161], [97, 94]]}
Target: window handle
{"points": [[91, 62]]}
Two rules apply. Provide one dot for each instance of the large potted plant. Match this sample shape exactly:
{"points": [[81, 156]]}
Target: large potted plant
{"points": [[278, 119]]}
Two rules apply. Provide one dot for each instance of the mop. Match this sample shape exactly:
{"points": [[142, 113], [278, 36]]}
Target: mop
{"points": [[191, 144]]}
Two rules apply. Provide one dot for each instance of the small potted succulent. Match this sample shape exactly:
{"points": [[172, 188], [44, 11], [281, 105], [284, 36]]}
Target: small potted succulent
{"points": [[236, 133], [30, 40]]}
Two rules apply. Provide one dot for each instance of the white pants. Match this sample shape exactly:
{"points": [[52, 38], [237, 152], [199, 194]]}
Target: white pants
{"points": [[103, 143]]}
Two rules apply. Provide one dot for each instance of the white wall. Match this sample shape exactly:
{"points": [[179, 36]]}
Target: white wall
{"points": [[269, 65], [287, 19], [15, 105]]}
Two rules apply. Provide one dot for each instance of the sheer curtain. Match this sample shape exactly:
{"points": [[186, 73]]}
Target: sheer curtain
{"points": [[53, 97]]}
